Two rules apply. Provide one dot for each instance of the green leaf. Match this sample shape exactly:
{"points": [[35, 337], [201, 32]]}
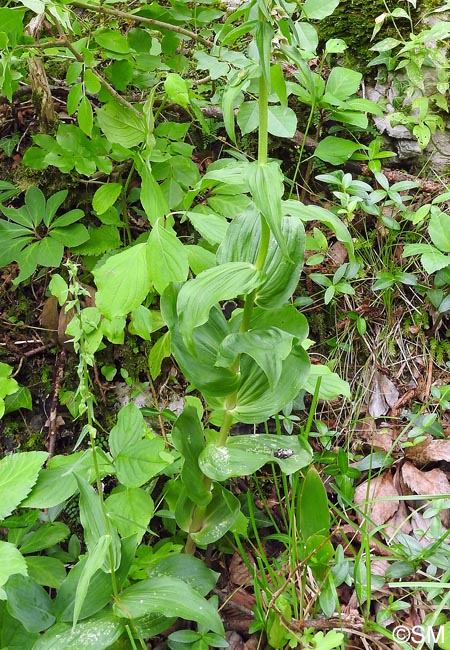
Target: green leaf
{"points": [[342, 83], [219, 517], [313, 514], [331, 385], [152, 197], [267, 189], [136, 464], [188, 438], [121, 124], [18, 474], [197, 296], [47, 535], [431, 258], [171, 597], [160, 350], [319, 9], [141, 323], [177, 89], [255, 400], [129, 429], [11, 562], [29, 603], [96, 558], [439, 231], [188, 568], [268, 347], [46, 571], [20, 399], [106, 196], [112, 40], [211, 227], [123, 282], [85, 116], [243, 455], [57, 482], [166, 257], [35, 204], [130, 510], [336, 150], [282, 121], [96, 633]]}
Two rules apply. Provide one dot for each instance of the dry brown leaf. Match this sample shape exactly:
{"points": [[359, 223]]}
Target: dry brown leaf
{"points": [[399, 523], [338, 253], [239, 573], [378, 511], [433, 482], [429, 451], [380, 439], [383, 395]]}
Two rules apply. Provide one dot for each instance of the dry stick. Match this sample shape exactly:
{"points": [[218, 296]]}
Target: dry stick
{"points": [[102, 81], [53, 425], [142, 19]]}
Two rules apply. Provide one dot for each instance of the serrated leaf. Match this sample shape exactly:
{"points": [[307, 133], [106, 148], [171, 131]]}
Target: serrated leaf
{"points": [[166, 257], [123, 282], [18, 474]]}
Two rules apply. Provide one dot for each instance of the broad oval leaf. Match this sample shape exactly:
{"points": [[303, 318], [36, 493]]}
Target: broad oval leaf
{"points": [[168, 596], [319, 9], [313, 515], [255, 400], [336, 150], [439, 231], [166, 257], [97, 633], [198, 365], [243, 455], [29, 603], [197, 297], [123, 282], [120, 124], [106, 196], [11, 562]]}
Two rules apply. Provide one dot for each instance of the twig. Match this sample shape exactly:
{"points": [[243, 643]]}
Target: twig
{"points": [[142, 19], [53, 424]]}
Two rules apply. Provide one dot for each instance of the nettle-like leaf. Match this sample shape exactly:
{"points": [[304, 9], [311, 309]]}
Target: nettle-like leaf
{"points": [[243, 455], [18, 474]]}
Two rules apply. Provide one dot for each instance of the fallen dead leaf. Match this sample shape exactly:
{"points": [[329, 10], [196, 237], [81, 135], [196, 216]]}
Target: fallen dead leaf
{"points": [[372, 493], [383, 395], [429, 451]]}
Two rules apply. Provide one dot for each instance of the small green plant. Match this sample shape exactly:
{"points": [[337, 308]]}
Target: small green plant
{"points": [[33, 235]]}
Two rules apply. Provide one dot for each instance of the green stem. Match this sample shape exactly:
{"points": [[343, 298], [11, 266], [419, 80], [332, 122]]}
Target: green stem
{"points": [[263, 105]]}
